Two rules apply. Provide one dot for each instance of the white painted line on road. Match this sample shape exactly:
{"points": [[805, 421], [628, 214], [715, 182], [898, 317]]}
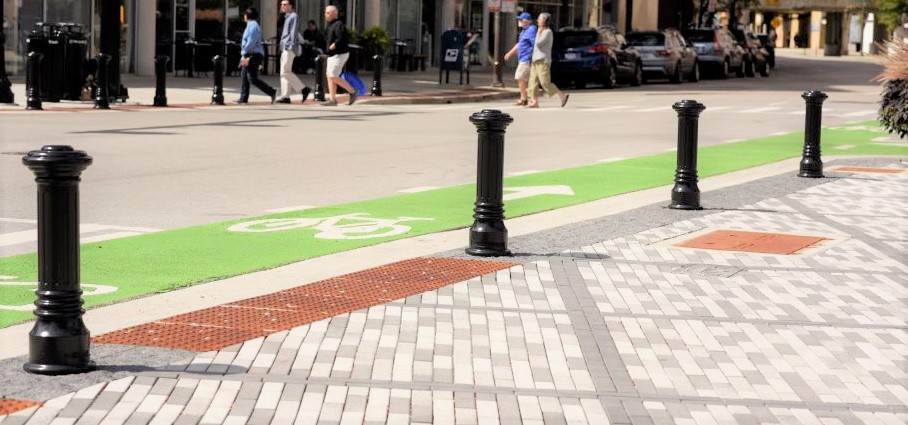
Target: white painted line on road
{"points": [[800, 112], [778, 103], [617, 158], [859, 113], [660, 108], [717, 108], [289, 209], [523, 173], [758, 110], [733, 141], [108, 236], [780, 133], [31, 235], [418, 189], [606, 108], [18, 220], [670, 149], [844, 147]]}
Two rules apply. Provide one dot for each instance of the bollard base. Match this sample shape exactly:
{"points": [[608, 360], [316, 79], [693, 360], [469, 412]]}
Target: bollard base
{"points": [[488, 239], [811, 175], [486, 252], [58, 349], [160, 102], [53, 370], [675, 206]]}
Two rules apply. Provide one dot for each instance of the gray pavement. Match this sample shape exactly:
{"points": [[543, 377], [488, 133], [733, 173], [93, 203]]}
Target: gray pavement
{"points": [[602, 319]]}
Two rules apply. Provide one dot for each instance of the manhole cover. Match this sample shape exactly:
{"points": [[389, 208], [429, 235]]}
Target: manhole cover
{"points": [[736, 240]]}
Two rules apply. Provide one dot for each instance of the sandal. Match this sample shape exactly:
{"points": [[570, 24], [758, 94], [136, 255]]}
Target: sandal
{"points": [[564, 100], [521, 102]]}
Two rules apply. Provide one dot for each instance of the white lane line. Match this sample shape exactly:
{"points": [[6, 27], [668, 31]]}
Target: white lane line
{"points": [[31, 235], [670, 149], [107, 236], [660, 108], [780, 133], [617, 158], [800, 112], [733, 141], [859, 113], [606, 108], [418, 189], [289, 209], [717, 108], [18, 220], [758, 110], [523, 173], [778, 103], [844, 147]]}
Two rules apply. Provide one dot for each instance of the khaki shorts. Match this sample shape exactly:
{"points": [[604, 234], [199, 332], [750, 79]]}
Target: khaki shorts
{"points": [[335, 64], [523, 71]]}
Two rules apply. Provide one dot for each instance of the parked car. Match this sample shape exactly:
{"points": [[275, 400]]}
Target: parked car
{"points": [[755, 55], [717, 51], [769, 44], [597, 55], [665, 54]]}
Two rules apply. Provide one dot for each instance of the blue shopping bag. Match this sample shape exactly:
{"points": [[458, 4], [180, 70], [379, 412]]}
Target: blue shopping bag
{"points": [[354, 82]]}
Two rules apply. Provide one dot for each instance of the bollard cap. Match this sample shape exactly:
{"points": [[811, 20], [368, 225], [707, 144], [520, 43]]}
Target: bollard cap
{"points": [[35, 55], [814, 96], [688, 107], [491, 120], [57, 161]]}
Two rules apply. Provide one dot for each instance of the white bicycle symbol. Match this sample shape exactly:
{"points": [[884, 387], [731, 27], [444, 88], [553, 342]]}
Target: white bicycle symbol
{"points": [[347, 226]]}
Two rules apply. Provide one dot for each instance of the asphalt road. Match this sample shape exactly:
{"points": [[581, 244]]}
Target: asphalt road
{"points": [[173, 168]]}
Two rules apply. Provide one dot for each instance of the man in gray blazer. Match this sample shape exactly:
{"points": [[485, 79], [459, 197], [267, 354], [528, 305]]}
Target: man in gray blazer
{"points": [[290, 49]]}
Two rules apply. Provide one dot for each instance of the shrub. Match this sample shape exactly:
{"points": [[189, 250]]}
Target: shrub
{"points": [[894, 103]]}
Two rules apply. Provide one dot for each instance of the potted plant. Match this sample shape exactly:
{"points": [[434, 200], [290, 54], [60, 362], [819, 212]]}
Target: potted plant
{"points": [[374, 41], [894, 103]]}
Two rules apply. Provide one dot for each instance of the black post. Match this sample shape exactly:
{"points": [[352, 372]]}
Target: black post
{"points": [[59, 342], [686, 194], [376, 80], [110, 44], [160, 72], [811, 164], [33, 81], [217, 97], [489, 236], [320, 67], [102, 98], [6, 92]]}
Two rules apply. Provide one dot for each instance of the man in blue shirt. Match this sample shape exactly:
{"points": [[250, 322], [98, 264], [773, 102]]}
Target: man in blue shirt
{"points": [[253, 56], [524, 51], [290, 49]]}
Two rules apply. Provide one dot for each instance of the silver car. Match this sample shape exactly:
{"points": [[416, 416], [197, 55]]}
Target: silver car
{"points": [[718, 51], [665, 54]]}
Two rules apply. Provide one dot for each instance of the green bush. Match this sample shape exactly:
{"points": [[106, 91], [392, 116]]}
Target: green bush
{"points": [[894, 103], [374, 41]]}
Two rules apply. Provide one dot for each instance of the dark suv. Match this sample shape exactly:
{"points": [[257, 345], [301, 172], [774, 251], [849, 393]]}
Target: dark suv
{"points": [[755, 55], [597, 55], [718, 51]]}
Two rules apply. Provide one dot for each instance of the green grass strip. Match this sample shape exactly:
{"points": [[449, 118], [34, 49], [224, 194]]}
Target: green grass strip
{"points": [[163, 261]]}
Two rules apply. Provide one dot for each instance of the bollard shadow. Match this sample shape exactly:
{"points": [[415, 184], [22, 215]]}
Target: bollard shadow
{"points": [[249, 123]]}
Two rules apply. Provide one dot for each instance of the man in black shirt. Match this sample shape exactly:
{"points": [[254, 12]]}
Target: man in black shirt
{"points": [[338, 53]]}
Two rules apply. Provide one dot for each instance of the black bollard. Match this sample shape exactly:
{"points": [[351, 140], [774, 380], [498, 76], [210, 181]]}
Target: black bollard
{"points": [[102, 98], [59, 342], [320, 67], [376, 79], [489, 236], [811, 164], [33, 81], [217, 97], [686, 194], [160, 88], [6, 92]]}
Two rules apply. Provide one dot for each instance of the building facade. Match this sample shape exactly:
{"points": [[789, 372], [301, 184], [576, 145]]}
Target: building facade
{"points": [[155, 27]]}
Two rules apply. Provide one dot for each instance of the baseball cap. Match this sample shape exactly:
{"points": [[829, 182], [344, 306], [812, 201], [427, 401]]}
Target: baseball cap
{"points": [[524, 15]]}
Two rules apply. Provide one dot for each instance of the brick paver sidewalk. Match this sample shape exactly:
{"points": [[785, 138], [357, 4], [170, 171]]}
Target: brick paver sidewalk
{"points": [[630, 329]]}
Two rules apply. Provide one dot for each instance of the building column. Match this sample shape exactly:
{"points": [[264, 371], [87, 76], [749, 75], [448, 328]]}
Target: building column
{"points": [[817, 32], [145, 37], [373, 14], [794, 28]]}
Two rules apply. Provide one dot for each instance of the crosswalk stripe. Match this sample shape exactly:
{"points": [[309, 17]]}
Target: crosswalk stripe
{"points": [[31, 235], [758, 110]]}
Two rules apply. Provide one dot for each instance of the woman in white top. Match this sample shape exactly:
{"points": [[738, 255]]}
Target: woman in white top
{"points": [[540, 67]]}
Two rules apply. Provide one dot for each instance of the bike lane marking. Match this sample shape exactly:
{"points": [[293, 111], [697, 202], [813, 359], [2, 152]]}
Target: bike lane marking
{"points": [[170, 259]]}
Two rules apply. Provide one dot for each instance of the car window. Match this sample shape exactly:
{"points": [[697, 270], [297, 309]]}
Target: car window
{"points": [[645, 39], [700, 36], [574, 39]]}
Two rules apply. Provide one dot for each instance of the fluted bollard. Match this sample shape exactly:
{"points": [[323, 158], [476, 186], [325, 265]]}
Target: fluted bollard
{"points": [[811, 164], [59, 342], [320, 66], [217, 96], [160, 88], [686, 194], [33, 81], [376, 79], [102, 98], [488, 235]]}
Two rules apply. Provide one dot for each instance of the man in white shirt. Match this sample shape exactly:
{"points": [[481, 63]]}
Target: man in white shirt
{"points": [[290, 46]]}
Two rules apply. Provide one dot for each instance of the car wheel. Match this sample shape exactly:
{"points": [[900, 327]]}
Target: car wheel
{"points": [[749, 68], [610, 79], [694, 73], [724, 70], [638, 75], [764, 70], [676, 77]]}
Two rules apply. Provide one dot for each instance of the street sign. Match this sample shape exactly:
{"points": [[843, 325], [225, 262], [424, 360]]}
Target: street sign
{"points": [[494, 5], [509, 6]]}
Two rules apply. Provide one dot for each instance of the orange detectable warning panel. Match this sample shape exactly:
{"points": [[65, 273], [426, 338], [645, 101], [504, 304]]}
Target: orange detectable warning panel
{"points": [[9, 405], [222, 326], [766, 243], [869, 170]]}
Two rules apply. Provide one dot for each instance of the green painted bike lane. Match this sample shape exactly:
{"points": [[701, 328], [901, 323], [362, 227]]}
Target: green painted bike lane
{"points": [[167, 260]]}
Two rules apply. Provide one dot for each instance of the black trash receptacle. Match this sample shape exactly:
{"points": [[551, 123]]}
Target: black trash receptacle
{"points": [[44, 38], [76, 52], [355, 61]]}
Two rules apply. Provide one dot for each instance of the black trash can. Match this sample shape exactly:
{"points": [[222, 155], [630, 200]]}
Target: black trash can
{"points": [[45, 38], [76, 52]]}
